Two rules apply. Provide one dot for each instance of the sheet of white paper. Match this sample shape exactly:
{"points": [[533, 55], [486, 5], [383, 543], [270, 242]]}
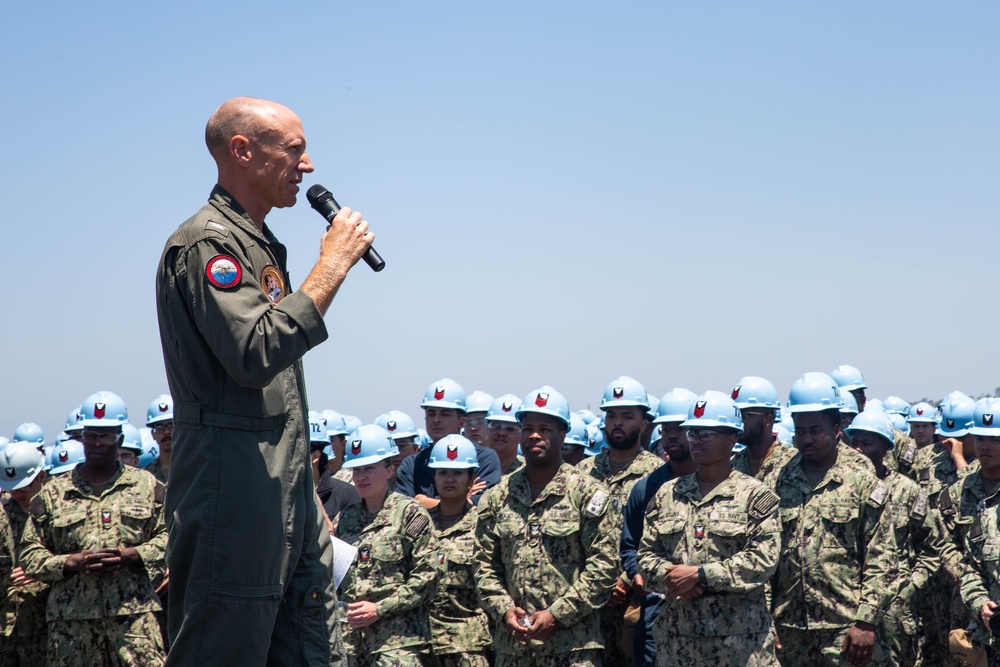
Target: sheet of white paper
{"points": [[343, 556]]}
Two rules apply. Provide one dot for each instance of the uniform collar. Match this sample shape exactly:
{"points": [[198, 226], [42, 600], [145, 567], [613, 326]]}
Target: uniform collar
{"points": [[82, 486], [834, 474], [688, 486], [468, 519], [557, 486], [226, 204]]}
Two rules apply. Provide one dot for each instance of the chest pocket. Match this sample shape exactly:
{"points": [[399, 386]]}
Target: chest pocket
{"points": [[459, 561], [386, 560], [670, 535], [840, 527], [727, 536], [68, 530], [561, 539], [134, 520]]}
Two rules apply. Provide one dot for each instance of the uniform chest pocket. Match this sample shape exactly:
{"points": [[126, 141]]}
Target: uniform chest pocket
{"points": [[670, 535], [459, 562], [840, 527], [561, 541], [134, 520], [69, 529], [728, 536], [385, 557]]}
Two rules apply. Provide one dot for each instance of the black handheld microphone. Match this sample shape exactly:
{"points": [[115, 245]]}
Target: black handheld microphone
{"points": [[324, 203]]}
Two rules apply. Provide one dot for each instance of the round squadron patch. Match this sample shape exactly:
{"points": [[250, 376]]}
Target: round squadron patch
{"points": [[273, 283], [223, 271]]}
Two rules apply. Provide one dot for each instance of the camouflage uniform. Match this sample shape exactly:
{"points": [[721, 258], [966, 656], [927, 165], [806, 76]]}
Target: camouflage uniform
{"points": [[155, 468], [917, 529], [836, 561], [396, 568], [734, 535], [847, 455], [617, 633], [769, 469], [345, 475], [24, 631], [99, 619], [557, 552], [515, 466], [460, 632], [935, 470], [980, 581], [904, 452]]}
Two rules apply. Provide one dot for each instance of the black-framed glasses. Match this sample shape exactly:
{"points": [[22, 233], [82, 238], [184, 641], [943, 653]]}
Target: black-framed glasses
{"points": [[103, 437], [162, 427]]}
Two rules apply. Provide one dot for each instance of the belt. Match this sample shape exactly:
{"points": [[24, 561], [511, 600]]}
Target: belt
{"points": [[192, 414]]}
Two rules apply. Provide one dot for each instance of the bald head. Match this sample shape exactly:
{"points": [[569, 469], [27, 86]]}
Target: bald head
{"points": [[247, 116]]}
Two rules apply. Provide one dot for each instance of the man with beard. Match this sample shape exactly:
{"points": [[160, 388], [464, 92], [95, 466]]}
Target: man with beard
{"points": [[548, 549], [671, 412], [624, 463], [763, 456]]}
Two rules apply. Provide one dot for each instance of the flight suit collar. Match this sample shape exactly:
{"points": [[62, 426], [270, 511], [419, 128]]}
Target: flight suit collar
{"points": [[688, 486], [83, 487], [227, 205]]}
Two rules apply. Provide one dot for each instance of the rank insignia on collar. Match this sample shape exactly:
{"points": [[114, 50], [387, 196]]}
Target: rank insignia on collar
{"points": [[105, 517], [364, 554], [699, 532], [223, 271], [273, 283]]}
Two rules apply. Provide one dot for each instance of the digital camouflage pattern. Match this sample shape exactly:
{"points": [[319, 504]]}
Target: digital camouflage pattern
{"points": [[69, 516], [396, 567], [836, 560], [769, 469], [734, 534], [557, 552], [457, 621], [616, 632], [106, 641], [934, 469], [23, 628], [918, 534], [155, 468], [903, 452], [980, 580], [515, 466]]}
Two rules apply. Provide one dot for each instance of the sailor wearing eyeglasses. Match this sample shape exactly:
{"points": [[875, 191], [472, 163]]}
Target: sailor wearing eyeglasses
{"points": [[97, 534], [710, 544]]}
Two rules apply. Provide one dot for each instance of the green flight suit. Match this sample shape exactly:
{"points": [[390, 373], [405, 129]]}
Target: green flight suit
{"points": [[249, 552]]}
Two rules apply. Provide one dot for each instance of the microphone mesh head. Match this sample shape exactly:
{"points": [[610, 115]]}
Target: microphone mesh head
{"points": [[315, 193]]}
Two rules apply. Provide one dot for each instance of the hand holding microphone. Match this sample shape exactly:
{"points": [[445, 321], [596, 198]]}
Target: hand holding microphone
{"points": [[324, 203]]}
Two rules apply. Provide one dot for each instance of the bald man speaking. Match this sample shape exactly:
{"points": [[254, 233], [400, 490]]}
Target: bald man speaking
{"points": [[249, 554]]}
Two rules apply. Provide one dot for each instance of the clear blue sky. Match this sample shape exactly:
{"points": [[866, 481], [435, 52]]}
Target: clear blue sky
{"points": [[564, 192]]}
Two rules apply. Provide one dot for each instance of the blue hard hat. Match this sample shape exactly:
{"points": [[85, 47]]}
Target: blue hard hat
{"points": [[29, 432], [504, 409], [897, 405], [445, 393], [398, 424], [624, 392], [848, 377], [755, 392], [317, 428], [20, 463], [150, 450], [785, 435], [546, 401], [367, 445], [352, 423], [454, 451], [587, 416], [478, 401], [714, 409], [131, 439], [335, 424], [656, 436], [424, 439], [986, 417], [923, 412], [850, 406], [65, 457], [161, 409], [103, 409], [595, 435], [957, 414], [899, 422], [873, 421], [814, 392], [675, 405], [577, 433], [74, 422], [654, 406]]}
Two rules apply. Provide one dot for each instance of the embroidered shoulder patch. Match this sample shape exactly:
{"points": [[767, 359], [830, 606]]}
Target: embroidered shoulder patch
{"points": [[879, 493], [920, 506], [597, 503], [764, 504], [224, 271], [273, 283], [416, 525]]}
